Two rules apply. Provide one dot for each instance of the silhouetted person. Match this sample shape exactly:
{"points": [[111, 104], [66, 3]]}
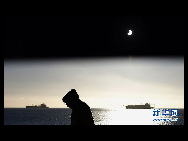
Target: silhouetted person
{"points": [[81, 113]]}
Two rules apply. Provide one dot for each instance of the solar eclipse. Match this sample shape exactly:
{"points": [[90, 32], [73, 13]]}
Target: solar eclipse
{"points": [[130, 32]]}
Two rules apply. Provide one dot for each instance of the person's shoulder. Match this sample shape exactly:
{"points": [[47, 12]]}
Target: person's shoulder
{"points": [[84, 105]]}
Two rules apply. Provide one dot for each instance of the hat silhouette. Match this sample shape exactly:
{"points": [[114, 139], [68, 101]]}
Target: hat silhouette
{"points": [[71, 96]]}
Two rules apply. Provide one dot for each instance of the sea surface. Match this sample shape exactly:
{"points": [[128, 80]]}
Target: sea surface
{"points": [[61, 116]]}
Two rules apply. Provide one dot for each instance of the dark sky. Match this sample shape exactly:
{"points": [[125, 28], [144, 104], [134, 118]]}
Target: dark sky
{"points": [[52, 36]]}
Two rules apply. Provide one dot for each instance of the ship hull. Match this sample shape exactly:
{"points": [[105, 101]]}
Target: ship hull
{"points": [[39, 106], [139, 107], [33, 107], [146, 106]]}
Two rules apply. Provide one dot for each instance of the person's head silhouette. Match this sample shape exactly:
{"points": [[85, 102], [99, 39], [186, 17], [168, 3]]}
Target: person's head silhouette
{"points": [[71, 98]]}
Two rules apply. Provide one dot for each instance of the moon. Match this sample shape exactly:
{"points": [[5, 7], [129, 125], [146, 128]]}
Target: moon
{"points": [[130, 32]]}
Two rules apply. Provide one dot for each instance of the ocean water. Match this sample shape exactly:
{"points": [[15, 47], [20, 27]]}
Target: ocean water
{"points": [[61, 116]]}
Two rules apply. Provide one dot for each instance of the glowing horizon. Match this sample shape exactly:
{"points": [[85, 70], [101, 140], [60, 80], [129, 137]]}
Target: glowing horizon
{"points": [[101, 83]]}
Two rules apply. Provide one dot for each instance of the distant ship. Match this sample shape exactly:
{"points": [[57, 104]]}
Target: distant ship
{"points": [[146, 106], [39, 106]]}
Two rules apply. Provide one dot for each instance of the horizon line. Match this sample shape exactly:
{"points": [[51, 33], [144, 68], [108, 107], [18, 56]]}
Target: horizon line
{"points": [[92, 108]]}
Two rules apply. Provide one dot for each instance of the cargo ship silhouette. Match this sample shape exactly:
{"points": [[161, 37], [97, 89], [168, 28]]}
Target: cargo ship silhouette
{"points": [[146, 106], [39, 106]]}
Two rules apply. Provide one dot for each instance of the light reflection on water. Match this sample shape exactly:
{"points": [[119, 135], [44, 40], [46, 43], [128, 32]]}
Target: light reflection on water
{"points": [[133, 117], [125, 117]]}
